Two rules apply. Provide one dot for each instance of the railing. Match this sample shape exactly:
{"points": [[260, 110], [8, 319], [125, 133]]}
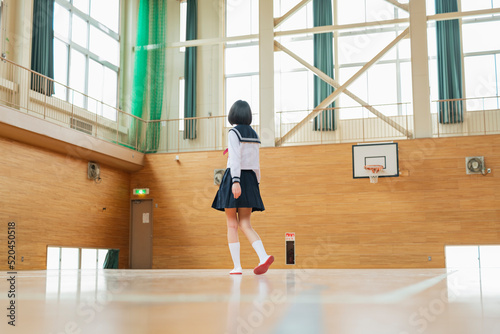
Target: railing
{"points": [[189, 134], [466, 117], [42, 97], [352, 124]]}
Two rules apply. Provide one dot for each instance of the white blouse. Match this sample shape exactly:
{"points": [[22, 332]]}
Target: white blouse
{"points": [[243, 155]]}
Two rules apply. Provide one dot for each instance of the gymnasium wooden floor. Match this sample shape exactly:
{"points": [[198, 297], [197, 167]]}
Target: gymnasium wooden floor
{"points": [[281, 301]]}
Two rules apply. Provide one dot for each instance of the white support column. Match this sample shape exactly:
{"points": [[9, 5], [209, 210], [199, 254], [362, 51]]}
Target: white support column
{"points": [[266, 70], [422, 121], [19, 32]]}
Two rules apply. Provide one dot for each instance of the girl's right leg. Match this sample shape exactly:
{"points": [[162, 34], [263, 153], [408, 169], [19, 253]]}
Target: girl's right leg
{"points": [[266, 260], [233, 241]]}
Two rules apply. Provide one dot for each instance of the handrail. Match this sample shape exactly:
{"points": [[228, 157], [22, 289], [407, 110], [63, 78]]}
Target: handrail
{"points": [[67, 87], [347, 107]]}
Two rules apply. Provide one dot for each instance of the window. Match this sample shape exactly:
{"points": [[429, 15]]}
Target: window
{"points": [[183, 18], [87, 53], [181, 104], [69, 282], [294, 87], [481, 58], [242, 57], [2, 38], [61, 258], [242, 17], [387, 82]]}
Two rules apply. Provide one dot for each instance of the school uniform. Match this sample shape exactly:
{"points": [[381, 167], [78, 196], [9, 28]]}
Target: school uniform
{"points": [[242, 166]]}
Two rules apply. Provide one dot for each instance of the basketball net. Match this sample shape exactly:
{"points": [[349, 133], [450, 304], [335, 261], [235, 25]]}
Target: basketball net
{"points": [[374, 172]]}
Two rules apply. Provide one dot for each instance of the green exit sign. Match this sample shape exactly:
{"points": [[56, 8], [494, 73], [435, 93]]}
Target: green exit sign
{"points": [[141, 191]]}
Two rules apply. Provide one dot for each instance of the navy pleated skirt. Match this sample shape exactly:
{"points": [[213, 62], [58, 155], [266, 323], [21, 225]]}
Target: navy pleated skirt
{"points": [[250, 193]]}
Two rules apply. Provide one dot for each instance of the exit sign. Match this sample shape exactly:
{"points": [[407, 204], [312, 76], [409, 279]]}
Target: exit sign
{"points": [[290, 236], [141, 191]]}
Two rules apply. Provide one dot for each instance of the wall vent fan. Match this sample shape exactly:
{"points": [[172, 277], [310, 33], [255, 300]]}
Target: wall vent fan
{"points": [[218, 174], [94, 172], [474, 165]]}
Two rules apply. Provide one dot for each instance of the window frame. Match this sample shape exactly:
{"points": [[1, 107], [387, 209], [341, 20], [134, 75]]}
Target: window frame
{"points": [[91, 22]]}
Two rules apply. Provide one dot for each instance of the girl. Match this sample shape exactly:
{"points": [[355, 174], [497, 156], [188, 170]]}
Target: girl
{"points": [[238, 193]]}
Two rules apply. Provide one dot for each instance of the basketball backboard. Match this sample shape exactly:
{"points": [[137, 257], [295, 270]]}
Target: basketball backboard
{"points": [[384, 154]]}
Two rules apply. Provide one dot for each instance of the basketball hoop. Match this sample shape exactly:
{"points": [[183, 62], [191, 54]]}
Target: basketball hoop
{"points": [[374, 174]]}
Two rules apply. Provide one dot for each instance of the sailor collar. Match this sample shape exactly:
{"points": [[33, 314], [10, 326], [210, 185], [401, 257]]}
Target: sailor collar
{"points": [[246, 134]]}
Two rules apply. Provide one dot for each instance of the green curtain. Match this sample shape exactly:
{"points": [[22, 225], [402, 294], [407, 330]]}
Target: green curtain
{"points": [[190, 71], [42, 46], [111, 260], [149, 72], [323, 60], [449, 61]]}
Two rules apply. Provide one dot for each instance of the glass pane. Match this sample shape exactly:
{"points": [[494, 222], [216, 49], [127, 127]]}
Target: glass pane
{"points": [[351, 11], [300, 20], [490, 256], [60, 68], [243, 88], [89, 258], [480, 81], [404, 48], [382, 86], [52, 258], [96, 74], [304, 49], [294, 91], [182, 37], [110, 86], [104, 46], [77, 76], [242, 60], [69, 258], [181, 103], [462, 257], [406, 83], [79, 31], [82, 5], [379, 10], [431, 41], [110, 93], [430, 7], [433, 79], [255, 17], [477, 36], [101, 257], [239, 17], [475, 4], [490, 266], [363, 47], [106, 12], [61, 22]]}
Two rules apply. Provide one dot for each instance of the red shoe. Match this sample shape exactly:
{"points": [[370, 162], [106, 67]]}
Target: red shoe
{"points": [[262, 268]]}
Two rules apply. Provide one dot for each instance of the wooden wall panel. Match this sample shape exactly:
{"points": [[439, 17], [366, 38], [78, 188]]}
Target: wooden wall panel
{"points": [[339, 222], [53, 203]]}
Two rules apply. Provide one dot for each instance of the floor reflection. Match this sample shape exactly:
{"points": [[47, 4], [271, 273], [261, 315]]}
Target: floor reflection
{"points": [[373, 301]]}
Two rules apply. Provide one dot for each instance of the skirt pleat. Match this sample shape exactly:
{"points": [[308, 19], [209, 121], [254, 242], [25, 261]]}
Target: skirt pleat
{"points": [[250, 193]]}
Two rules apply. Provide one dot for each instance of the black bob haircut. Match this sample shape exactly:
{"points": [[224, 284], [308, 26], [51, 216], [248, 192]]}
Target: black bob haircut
{"points": [[240, 113]]}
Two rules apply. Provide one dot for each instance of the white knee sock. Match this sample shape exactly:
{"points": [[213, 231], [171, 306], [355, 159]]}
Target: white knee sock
{"points": [[261, 252], [234, 248]]}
